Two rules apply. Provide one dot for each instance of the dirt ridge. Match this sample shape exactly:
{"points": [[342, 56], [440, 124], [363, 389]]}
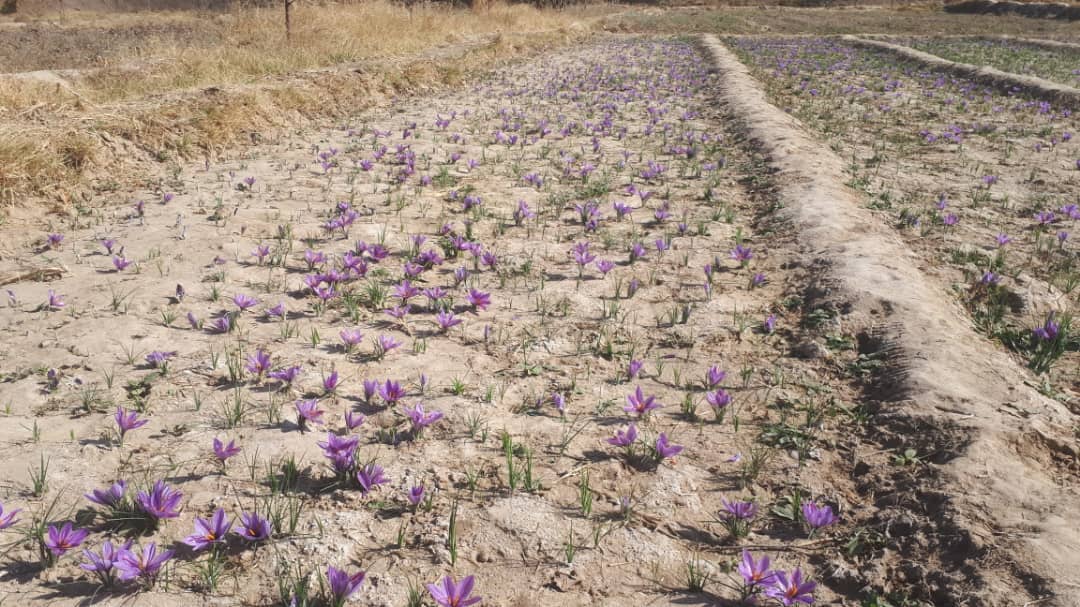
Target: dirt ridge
{"points": [[984, 74], [999, 517]]}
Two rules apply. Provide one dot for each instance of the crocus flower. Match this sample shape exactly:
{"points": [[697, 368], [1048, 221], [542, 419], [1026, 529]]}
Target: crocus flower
{"points": [[331, 382], [742, 254], [370, 477], [385, 343], [447, 320], [277, 311], [127, 421], [102, 563], [624, 438], [817, 516], [714, 376], [391, 392], [790, 591], [258, 363], [111, 496], [415, 495], [738, 510], [665, 449], [478, 299], [353, 420], [55, 240], [109, 244], [342, 585], [209, 532], [160, 502], [244, 302], [449, 593], [769, 324], [56, 301], [60, 540], [7, 518], [1049, 330], [308, 411], [757, 573], [159, 359], [253, 528], [223, 452], [421, 419], [559, 401], [287, 375], [633, 368], [351, 338], [145, 564], [639, 404], [121, 263]]}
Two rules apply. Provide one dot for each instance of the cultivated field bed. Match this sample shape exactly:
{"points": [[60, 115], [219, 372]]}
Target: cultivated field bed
{"points": [[1056, 63], [594, 224], [981, 182]]}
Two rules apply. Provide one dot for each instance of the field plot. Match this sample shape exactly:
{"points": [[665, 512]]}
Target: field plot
{"points": [[539, 331], [1059, 64], [982, 183]]}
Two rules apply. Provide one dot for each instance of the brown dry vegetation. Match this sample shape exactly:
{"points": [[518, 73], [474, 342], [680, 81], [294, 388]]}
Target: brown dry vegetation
{"points": [[62, 131]]}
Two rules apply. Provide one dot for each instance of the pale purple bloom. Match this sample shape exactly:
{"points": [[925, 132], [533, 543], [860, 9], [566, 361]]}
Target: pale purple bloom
{"points": [[109, 497], [353, 420], [559, 401], [287, 375], [742, 254], [370, 477], [421, 419], [391, 392], [55, 240], [258, 363], [121, 263], [60, 540], [714, 376], [253, 527], [478, 299], [755, 573], [308, 411], [633, 368], [209, 532], [818, 516], [160, 502], [102, 564], [56, 301], [624, 438], [132, 564], [639, 404], [127, 421], [666, 449], [244, 302], [342, 585], [738, 510], [224, 451], [159, 359], [385, 343], [1049, 330], [790, 591], [447, 320], [7, 518], [449, 593], [331, 382]]}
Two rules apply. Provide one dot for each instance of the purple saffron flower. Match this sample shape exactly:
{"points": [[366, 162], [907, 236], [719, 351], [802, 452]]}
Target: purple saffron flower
{"points": [[447, 320], [109, 497], [121, 263], [308, 411], [416, 495], [637, 251], [109, 245], [60, 541], [258, 363], [449, 593], [665, 449], [133, 564], [391, 392], [640, 405], [253, 528], [605, 266], [421, 419], [818, 516], [790, 591], [7, 519], [342, 585], [340, 451], [742, 511], [353, 420], [560, 402], [718, 399], [478, 300], [158, 359], [127, 421], [287, 375], [371, 388], [244, 302], [222, 324], [102, 564], [370, 477], [331, 382], [160, 502], [384, 344], [769, 324], [277, 311], [224, 451], [56, 301], [742, 254], [624, 438], [1049, 330], [55, 240], [209, 532], [633, 368], [757, 573], [714, 376]]}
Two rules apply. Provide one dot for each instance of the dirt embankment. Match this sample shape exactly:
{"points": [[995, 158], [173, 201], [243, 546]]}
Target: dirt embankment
{"points": [[995, 519], [1038, 10]]}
